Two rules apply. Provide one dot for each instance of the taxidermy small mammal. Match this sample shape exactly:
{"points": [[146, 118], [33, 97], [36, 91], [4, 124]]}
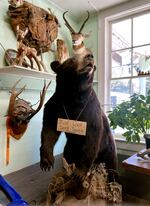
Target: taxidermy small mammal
{"points": [[75, 99], [25, 51], [62, 53], [16, 3]]}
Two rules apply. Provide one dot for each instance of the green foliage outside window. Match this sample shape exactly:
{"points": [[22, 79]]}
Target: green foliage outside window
{"points": [[133, 116]]}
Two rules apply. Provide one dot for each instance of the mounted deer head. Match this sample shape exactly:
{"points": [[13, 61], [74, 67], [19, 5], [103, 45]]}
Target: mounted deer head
{"points": [[19, 114], [20, 111], [79, 49], [77, 37]]}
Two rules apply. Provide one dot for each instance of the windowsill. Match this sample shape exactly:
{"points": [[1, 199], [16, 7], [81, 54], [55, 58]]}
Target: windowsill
{"points": [[128, 148]]}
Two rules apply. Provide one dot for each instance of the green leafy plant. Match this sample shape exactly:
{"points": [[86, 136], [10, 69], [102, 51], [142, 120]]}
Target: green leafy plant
{"points": [[133, 116]]}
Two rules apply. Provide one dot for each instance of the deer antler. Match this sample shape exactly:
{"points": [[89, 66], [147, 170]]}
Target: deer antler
{"points": [[42, 97], [13, 97], [19, 114], [82, 26], [67, 23]]}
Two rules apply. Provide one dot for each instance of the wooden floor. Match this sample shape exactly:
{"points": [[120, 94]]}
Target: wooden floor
{"points": [[32, 183]]}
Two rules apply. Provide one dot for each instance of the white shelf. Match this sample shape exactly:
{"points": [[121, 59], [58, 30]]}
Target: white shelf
{"points": [[31, 78], [22, 71]]}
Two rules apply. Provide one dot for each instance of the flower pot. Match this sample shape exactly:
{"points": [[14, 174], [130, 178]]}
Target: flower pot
{"points": [[147, 141]]}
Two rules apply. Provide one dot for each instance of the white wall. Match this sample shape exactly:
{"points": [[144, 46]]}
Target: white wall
{"points": [[25, 151]]}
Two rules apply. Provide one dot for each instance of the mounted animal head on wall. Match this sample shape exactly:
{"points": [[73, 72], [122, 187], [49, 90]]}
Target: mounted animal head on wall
{"points": [[19, 114], [80, 51], [77, 37], [42, 25], [21, 111]]}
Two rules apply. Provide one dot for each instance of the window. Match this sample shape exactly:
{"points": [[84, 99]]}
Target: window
{"points": [[130, 54], [124, 51]]}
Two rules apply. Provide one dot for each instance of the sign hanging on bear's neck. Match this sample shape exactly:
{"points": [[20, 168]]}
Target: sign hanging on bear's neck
{"points": [[71, 126]]}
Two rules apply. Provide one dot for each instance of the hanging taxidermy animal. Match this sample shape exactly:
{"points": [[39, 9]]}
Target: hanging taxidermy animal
{"points": [[42, 25], [10, 56], [20, 113], [61, 53], [79, 49], [25, 51]]}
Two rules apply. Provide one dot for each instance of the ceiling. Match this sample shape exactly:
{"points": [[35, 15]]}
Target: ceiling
{"points": [[78, 7]]}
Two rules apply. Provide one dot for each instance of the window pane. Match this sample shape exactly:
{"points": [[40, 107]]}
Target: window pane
{"points": [[120, 91], [141, 59], [121, 35], [124, 71], [121, 63], [141, 30], [141, 85]]}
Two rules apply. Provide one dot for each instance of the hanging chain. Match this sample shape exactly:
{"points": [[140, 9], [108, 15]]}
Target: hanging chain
{"points": [[78, 116]]}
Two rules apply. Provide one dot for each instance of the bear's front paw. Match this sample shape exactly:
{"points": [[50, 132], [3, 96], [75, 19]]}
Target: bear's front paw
{"points": [[47, 160]]}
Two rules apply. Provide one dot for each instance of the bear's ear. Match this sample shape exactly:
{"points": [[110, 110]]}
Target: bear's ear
{"points": [[54, 65]]}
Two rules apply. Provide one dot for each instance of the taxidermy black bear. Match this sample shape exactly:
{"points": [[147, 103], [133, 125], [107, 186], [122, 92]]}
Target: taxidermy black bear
{"points": [[76, 100]]}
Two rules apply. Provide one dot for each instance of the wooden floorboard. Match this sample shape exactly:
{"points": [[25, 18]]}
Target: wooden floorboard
{"points": [[32, 183]]}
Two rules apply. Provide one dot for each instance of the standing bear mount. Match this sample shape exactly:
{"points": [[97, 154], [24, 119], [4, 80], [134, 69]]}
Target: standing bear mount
{"points": [[75, 99]]}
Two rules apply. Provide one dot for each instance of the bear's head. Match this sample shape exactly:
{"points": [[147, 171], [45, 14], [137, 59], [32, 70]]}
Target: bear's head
{"points": [[74, 75]]}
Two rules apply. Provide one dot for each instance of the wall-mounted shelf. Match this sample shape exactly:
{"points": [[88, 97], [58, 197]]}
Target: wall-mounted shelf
{"points": [[31, 78], [22, 71]]}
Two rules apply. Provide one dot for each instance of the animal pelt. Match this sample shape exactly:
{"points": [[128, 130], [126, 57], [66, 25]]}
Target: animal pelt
{"points": [[42, 25], [62, 53], [75, 99]]}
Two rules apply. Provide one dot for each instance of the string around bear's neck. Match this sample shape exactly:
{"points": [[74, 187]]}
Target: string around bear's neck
{"points": [[82, 110]]}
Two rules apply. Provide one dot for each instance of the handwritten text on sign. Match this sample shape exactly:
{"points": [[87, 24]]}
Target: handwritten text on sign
{"points": [[71, 126]]}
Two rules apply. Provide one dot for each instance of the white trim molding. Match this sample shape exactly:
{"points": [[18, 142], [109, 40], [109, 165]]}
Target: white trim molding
{"points": [[104, 19]]}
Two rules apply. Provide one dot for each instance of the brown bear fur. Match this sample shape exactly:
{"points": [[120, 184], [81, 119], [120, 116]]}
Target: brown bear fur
{"points": [[74, 90]]}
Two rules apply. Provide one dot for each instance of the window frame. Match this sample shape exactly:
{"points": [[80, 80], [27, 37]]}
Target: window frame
{"points": [[132, 47], [117, 13], [104, 40]]}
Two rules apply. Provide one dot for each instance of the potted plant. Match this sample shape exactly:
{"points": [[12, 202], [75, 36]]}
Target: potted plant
{"points": [[133, 116]]}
